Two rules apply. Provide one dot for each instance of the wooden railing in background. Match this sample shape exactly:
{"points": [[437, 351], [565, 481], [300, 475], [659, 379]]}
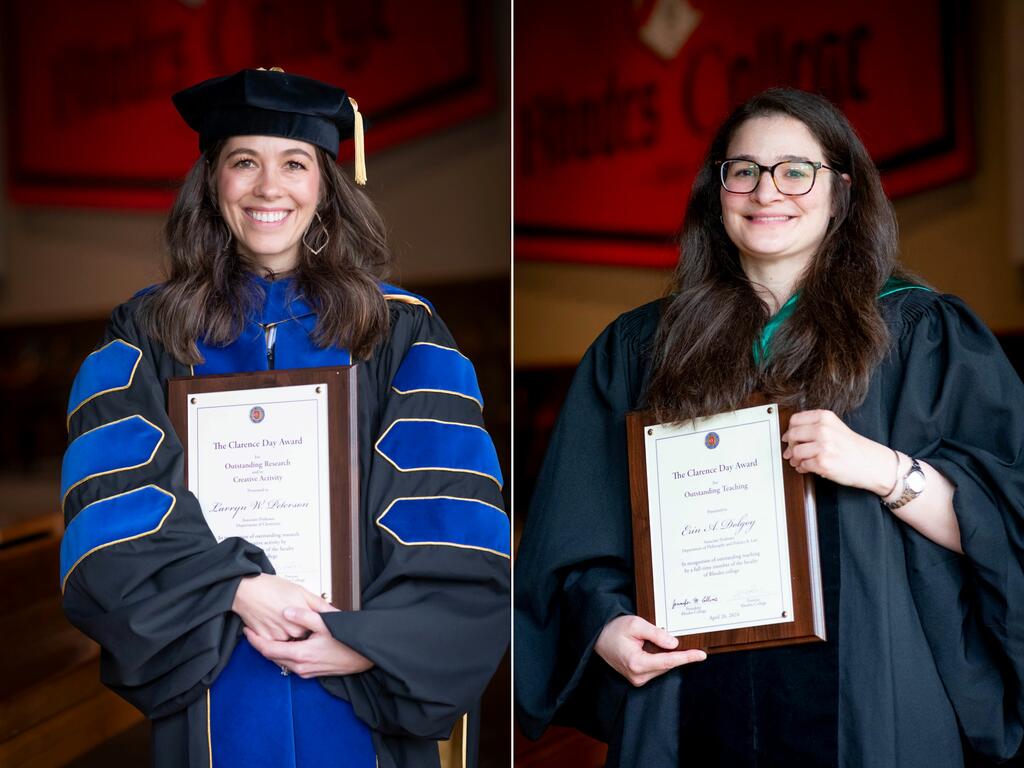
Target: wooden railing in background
{"points": [[52, 705]]}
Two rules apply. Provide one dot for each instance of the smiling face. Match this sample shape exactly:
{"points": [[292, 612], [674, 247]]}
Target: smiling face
{"points": [[268, 189], [769, 228]]}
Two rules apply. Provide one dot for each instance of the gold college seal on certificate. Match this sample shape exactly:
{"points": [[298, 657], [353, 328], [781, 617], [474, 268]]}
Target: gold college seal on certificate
{"points": [[724, 532], [271, 456]]}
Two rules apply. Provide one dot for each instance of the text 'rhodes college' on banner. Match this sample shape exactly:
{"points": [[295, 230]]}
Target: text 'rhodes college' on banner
{"points": [[616, 100]]}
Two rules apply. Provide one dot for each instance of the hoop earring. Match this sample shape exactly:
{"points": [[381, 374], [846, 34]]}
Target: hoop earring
{"points": [[326, 236]]}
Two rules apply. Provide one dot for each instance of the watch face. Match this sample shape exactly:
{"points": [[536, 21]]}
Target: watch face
{"points": [[915, 482]]}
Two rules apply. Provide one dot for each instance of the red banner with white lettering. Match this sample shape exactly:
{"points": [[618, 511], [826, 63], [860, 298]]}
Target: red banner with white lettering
{"points": [[89, 115], [616, 102]]}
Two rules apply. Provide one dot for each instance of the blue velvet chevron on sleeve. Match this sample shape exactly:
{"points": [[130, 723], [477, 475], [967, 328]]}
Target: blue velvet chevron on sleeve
{"points": [[435, 613], [140, 571]]}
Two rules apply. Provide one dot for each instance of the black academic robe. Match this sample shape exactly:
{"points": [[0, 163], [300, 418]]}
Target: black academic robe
{"points": [[142, 574], [924, 663]]}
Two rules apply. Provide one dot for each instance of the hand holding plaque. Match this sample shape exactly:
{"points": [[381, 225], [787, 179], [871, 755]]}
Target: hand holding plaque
{"points": [[725, 536], [625, 643]]}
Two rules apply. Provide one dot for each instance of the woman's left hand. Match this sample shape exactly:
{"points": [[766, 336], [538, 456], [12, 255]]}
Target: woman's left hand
{"points": [[317, 655], [820, 442]]}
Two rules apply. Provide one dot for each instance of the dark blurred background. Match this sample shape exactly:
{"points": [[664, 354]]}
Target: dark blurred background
{"points": [[92, 151]]}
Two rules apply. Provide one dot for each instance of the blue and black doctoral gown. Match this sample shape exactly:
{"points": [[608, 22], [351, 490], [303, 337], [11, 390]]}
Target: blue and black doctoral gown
{"points": [[142, 574], [924, 661]]}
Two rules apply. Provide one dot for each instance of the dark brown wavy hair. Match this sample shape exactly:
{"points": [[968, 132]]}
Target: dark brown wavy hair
{"points": [[823, 355], [209, 295]]}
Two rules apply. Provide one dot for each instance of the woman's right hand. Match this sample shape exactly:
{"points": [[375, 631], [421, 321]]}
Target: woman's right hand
{"points": [[621, 645], [260, 602]]}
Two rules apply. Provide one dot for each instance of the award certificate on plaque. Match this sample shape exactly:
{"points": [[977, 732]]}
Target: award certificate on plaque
{"points": [[718, 523], [271, 458], [725, 538], [259, 466]]}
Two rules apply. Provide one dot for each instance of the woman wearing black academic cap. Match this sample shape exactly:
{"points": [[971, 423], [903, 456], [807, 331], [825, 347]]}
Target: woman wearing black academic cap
{"points": [[276, 260], [909, 420]]}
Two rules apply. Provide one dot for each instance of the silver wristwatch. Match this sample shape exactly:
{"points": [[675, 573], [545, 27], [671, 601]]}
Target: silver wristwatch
{"points": [[913, 485]]}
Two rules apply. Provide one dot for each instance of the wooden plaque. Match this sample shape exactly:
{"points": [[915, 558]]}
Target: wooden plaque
{"points": [[341, 446], [808, 603]]}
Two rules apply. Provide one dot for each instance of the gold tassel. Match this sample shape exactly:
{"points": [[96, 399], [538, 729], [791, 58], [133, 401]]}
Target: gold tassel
{"points": [[360, 164]]}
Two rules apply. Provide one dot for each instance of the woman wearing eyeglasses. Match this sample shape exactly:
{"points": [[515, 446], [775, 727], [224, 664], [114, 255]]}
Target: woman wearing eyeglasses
{"points": [[908, 418]]}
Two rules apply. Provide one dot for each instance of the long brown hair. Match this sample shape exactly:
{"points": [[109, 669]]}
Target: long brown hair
{"points": [[209, 295], [822, 356]]}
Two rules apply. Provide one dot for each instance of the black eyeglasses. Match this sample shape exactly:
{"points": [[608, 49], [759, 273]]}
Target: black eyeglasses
{"points": [[790, 177]]}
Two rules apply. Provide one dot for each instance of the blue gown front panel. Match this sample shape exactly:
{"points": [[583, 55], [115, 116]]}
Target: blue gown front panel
{"points": [[258, 715]]}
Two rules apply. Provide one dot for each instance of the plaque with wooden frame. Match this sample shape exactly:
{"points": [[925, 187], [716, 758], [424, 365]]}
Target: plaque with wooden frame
{"points": [[273, 457], [701, 572]]}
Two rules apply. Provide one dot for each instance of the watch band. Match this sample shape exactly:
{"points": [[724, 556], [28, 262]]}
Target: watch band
{"points": [[909, 492]]}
